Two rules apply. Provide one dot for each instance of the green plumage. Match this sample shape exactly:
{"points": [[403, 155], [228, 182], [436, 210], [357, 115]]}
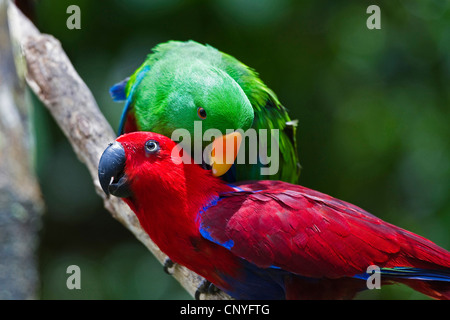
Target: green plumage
{"points": [[178, 78]]}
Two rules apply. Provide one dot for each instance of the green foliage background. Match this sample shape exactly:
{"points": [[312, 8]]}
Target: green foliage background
{"points": [[373, 111]]}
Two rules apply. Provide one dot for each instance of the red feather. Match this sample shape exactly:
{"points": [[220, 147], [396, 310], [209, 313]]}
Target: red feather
{"points": [[312, 234]]}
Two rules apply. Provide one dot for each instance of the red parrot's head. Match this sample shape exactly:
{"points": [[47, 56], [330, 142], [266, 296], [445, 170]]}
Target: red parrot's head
{"points": [[139, 161]]}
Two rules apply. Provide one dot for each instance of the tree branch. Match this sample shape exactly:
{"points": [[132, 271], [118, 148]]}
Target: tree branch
{"points": [[50, 74]]}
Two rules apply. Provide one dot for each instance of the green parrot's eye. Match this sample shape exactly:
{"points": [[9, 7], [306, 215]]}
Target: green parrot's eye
{"points": [[151, 146], [201, 113]]}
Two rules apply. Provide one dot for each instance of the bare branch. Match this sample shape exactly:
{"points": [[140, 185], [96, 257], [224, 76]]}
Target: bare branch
{"points": [[50, 74]]}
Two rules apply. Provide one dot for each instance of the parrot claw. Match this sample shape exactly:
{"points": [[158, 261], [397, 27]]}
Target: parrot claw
{"points": [[212, 289], [205, 287], [168, 264]]}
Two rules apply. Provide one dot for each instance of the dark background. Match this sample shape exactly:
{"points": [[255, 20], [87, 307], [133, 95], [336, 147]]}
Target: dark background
{"points": [[373, 111]]}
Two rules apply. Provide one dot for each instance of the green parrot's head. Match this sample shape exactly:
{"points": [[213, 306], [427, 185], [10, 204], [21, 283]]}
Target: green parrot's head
{"points": [[175, 96]]}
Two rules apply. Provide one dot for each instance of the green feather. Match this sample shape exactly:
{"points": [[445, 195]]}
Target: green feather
{"points": [[184, 76]]}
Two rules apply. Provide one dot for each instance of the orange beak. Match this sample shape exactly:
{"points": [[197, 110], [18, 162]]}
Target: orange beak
{"points": [[224, 152]]}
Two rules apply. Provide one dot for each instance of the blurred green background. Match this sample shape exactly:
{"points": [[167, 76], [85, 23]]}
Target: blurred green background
{"points": [[373, 111]]}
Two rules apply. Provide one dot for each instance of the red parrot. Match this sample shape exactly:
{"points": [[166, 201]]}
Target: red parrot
{"points": [[263, 239]]}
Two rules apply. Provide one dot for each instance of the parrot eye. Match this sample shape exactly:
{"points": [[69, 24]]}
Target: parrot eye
{"points": [[201, 113], [151, 146]]}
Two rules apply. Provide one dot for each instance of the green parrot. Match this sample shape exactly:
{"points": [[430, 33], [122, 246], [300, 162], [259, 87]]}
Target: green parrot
{"points": [[182, 83]]}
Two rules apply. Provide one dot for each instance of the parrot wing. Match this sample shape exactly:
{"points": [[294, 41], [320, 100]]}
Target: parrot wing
{"points": [[311, 234]]}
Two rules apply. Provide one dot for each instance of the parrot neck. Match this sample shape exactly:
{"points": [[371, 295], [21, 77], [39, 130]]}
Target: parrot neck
{"points": [[202, 189]]}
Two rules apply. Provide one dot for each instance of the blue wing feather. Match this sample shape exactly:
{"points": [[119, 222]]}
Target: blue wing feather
{"points": [[129, 99], [117, 91]]}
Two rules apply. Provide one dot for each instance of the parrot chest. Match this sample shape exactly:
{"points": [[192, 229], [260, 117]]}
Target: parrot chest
{"points": [[203, 257], [183, 244]]}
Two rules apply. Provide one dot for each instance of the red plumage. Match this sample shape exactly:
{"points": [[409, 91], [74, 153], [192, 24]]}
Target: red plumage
{"points": [[313, 234], [240, 237], [310, 233]]}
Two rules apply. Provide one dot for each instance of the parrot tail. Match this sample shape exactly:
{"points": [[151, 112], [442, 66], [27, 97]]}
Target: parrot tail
{"points": [[439, 290], [433, 283]]}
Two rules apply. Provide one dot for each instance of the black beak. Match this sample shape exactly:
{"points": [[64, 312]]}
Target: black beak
{"points": [[111, 171]]}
